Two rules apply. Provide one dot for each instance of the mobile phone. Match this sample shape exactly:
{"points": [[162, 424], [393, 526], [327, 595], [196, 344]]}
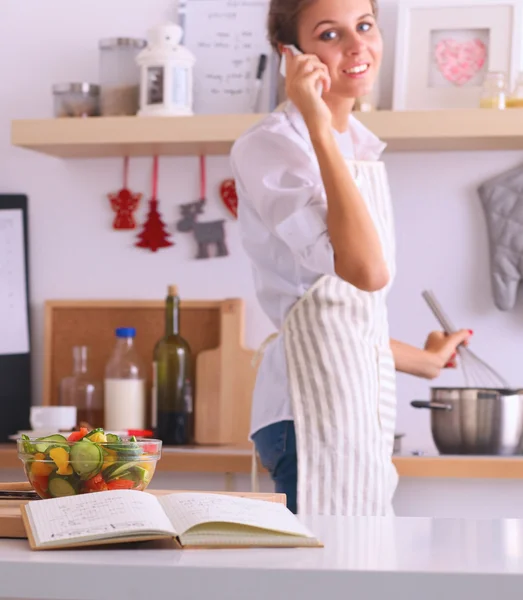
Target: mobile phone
{"points": [[283, 64]]}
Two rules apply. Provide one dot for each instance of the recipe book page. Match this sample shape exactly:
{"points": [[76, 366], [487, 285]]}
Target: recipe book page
{"points": [[224, 514], [102, 515]]}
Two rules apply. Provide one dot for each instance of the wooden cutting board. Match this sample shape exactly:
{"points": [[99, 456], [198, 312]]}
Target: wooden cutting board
{"points": [[12, 526], [225, 380]]}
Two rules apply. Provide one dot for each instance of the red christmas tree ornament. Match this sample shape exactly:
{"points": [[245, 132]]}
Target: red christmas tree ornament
{"points": [[124, 203], [229, 196], [154, 234]]}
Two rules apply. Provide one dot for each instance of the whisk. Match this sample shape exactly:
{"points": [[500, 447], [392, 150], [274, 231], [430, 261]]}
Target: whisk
{"points": [[476, 371]]}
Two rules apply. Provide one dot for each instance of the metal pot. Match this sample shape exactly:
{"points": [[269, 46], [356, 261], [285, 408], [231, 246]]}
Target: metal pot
{"points": [[476, 420]]}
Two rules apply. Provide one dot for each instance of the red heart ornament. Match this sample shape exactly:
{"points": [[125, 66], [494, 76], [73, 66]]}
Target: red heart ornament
{"points": [[229, 196], [460, 61]]}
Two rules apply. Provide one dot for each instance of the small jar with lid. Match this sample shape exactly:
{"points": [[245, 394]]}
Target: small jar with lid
{"points": [[76, 99], [494, 91], [515, 100], [119, 76]]}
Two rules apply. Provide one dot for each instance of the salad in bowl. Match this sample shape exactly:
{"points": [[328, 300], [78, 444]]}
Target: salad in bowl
{"points": [[87, 461]]}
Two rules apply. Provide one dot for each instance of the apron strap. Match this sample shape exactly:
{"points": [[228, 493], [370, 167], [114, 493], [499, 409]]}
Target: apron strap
{"points": [[259, 353]]}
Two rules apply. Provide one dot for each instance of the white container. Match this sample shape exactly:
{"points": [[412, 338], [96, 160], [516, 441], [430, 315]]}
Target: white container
{"points": [[124, 385], [53, 418], [166, 74]]}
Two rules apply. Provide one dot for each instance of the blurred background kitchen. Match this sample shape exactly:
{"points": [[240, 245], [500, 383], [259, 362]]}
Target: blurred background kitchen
{"points": [[74, 252]]}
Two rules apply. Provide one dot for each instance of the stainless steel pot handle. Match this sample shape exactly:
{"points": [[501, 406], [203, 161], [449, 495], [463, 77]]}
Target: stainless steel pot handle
{"points": [[431, 405]]}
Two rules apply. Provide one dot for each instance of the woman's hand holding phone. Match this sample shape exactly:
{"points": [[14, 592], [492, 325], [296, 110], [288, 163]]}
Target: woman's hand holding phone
{"points": [[305, 79]]}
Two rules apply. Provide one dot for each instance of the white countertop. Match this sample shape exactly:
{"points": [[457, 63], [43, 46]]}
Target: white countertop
{"points": [[363, 559]]}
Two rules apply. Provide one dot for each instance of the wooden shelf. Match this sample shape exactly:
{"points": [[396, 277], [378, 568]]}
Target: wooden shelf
{"points": [[96, 137]]}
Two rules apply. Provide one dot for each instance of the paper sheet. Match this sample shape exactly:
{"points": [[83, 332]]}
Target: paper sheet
{"points": [[100, 515], [227, 38], [14, 327], [186, 510]]}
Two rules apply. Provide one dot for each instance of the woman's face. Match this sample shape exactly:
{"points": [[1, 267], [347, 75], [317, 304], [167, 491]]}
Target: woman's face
{"points": [[345, 36]]}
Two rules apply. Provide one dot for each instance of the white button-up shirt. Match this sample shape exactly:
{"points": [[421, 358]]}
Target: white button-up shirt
{"points": [[282, 211]]}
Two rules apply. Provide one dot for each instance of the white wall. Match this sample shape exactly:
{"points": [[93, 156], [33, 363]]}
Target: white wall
{"points": [[75, 254]]}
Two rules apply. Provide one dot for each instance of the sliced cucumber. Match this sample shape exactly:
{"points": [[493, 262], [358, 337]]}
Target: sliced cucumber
{"points": [[138, 474], [44, 444], [27, 445], [86, 459], [93, 431], [119, 471], [61, 486], [112, 438]]}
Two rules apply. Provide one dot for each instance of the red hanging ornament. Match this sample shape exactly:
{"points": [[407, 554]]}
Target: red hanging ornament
{"points": [[154, 234], [124, 203], [229, 196]]}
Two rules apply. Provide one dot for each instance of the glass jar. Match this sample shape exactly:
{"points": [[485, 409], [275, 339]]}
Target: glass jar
{"points": [[494, 91], [515, 100], [124, 385], [76, 100], [119, 76], [83, 391]]}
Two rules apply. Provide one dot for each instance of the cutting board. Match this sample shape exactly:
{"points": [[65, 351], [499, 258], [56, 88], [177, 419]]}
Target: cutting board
{"points": [[225, 379], [12, 526]]}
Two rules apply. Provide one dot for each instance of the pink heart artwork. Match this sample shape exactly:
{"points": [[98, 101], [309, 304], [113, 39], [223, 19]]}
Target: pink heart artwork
{"points": [[460, 61]]}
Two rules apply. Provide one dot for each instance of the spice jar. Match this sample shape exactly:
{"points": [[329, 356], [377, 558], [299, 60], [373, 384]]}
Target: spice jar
{"points": [[76, 100], [494, 91], [119, 75], [515, 100]]}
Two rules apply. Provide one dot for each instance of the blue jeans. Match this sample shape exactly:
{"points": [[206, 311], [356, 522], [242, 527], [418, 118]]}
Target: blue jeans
{"points": [[276, 447]]}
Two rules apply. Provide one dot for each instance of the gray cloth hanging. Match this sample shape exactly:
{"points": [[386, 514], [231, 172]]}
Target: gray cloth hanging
{"points": [[502, 200]]}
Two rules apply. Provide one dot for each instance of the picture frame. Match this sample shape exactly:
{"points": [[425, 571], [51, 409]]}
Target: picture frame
{"points": [[445, 47]]}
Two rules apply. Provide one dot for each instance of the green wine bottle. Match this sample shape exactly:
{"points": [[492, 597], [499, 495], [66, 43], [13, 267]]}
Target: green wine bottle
{"points": [[173, 380]]}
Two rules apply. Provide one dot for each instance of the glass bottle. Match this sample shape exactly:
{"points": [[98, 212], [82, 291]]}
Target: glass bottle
{"points": [[515, 100], [173, 380], [494, 91], [124, 385], [83, 391]]}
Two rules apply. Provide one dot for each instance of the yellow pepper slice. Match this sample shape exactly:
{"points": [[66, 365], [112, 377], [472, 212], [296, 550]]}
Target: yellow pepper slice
{"points": [[60, 457]]}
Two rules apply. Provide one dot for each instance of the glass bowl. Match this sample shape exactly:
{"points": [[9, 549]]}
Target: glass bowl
{"points": [[87, 461]]}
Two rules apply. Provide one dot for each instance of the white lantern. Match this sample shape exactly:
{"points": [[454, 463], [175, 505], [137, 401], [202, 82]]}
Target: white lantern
{"points": [[166, 74]]}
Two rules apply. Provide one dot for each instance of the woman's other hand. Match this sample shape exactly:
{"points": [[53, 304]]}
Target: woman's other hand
{"points": [[442, 348]]}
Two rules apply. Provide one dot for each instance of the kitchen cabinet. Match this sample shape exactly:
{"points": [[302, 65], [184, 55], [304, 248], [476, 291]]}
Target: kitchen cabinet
{"points": [[96, 137]]}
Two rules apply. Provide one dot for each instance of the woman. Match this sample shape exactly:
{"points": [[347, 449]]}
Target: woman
{"points": [[316, 221]]}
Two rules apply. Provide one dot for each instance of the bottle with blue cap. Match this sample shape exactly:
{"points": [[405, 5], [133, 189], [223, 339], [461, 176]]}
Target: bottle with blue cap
{"points": [[124, 385]]}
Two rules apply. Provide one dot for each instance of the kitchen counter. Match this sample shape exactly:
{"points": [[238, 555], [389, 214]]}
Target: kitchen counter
{"points": [[372, 557], [237, 459]]}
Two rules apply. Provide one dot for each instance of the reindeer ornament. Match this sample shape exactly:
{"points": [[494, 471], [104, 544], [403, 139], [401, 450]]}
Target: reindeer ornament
{"points": [[208, 234]]}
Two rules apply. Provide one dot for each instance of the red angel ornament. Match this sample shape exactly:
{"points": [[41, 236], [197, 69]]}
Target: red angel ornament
{"points": [[124, 203]]}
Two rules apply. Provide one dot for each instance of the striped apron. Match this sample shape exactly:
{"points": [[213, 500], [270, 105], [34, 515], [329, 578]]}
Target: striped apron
{"points": [[342, 381]]}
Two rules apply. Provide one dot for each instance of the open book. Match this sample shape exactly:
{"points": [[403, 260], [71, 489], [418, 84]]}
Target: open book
{"points": [[192, 519]]}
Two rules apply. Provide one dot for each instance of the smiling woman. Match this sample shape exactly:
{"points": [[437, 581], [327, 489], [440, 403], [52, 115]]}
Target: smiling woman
{"points": [[316, 219]]}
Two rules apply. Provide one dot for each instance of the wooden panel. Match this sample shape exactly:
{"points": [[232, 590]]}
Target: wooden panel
{"points": [[92, 323]]}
